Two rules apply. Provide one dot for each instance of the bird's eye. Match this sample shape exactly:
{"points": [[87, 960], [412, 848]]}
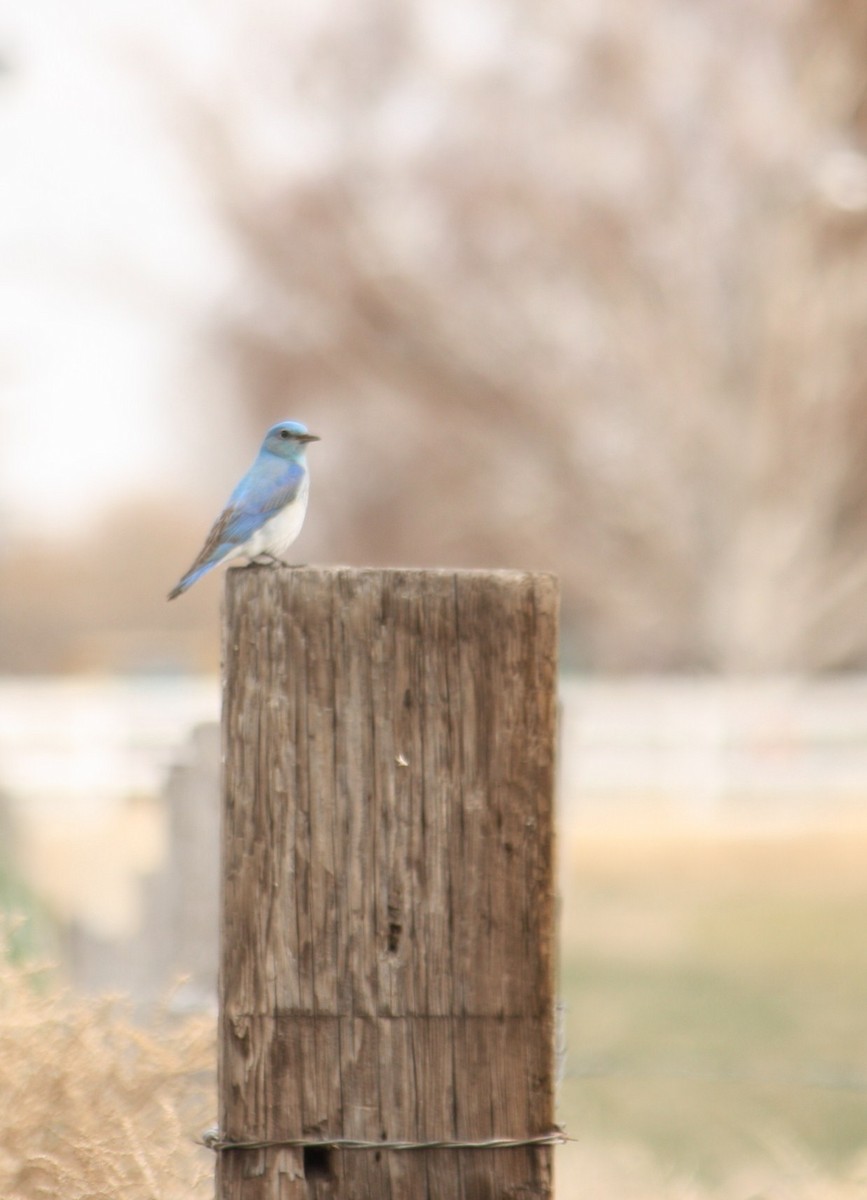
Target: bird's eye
{"points": [[284, 433]]}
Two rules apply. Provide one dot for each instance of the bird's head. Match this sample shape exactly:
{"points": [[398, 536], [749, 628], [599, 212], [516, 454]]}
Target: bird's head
{"points": [[288, 439]]}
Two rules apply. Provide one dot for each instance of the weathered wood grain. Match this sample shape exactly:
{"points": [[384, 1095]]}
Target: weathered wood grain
{"points": [[387, 936]]}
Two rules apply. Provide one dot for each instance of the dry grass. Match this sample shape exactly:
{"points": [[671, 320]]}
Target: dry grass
{"points": [[94, 1105], [715, 991]]}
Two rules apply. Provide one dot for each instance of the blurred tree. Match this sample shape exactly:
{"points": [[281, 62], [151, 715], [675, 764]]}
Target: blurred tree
{"points": [[797, 569], [100, 603], [473, 281], [577, 286]]}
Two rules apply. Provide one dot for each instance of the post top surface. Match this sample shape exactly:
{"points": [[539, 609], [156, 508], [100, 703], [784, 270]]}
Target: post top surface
{"points": [[501, 574]]}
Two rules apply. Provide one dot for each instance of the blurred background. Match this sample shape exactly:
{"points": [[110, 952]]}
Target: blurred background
{"points": [[571, 286]]}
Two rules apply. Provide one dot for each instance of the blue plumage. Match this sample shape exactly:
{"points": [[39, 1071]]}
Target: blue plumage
{"points": [[265, 512]]}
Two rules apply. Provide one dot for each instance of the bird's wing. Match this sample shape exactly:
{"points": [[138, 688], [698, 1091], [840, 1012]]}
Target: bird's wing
{"points": [[254, 501], [270, 484]]}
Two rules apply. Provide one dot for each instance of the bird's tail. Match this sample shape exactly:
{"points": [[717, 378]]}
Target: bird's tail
{"points": [[188, 580]]}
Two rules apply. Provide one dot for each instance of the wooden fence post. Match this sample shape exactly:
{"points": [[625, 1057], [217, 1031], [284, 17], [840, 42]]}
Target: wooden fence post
{"points": [[387, 932]]}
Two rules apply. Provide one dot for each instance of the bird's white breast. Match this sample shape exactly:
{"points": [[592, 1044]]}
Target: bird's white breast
{"points": [[277, 534]]}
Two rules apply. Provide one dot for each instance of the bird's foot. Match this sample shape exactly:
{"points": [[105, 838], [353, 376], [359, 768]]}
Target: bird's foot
{"points": [[271, 560]]}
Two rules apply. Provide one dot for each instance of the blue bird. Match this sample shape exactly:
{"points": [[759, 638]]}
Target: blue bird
{"points": [[265, 512]]}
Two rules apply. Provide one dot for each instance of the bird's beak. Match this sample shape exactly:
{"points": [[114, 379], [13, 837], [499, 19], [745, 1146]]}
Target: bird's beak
{"points": [[307, 437]]}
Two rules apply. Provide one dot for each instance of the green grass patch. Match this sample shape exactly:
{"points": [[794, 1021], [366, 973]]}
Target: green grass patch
{"points": [[715, 996]]}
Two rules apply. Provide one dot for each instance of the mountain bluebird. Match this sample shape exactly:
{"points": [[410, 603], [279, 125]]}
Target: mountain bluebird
{"points": [[266, 510]]}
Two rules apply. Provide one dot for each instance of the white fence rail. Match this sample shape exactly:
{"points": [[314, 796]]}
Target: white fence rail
{"points": [[780, 750], [110, 807]]}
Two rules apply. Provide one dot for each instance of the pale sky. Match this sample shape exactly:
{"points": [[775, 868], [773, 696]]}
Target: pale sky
{"points": [[110, 258]]}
